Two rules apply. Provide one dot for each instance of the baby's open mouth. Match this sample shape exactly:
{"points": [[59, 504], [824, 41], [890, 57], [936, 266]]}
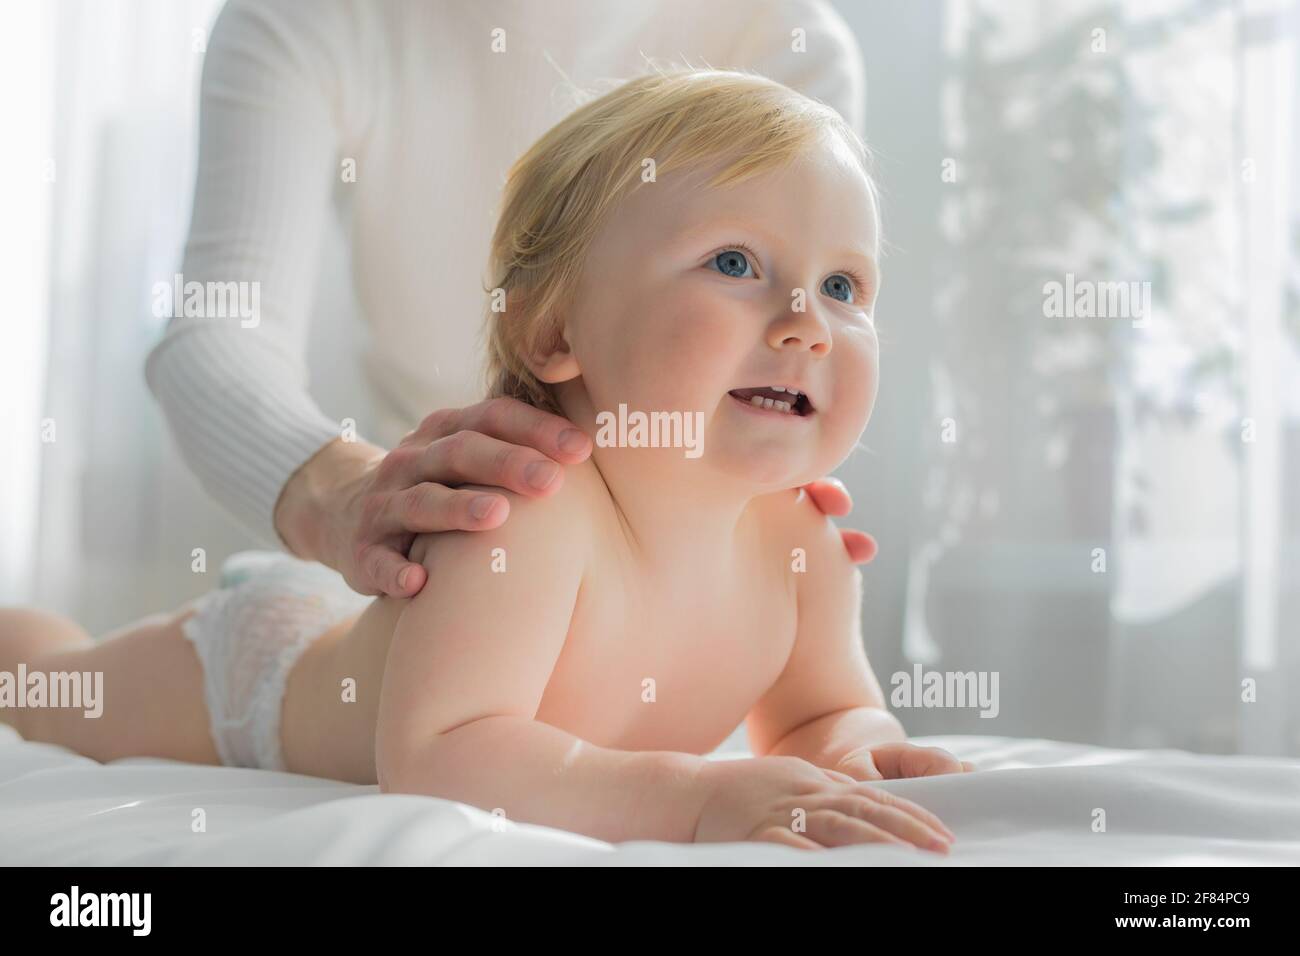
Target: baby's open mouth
{"points": [[777, 398]]}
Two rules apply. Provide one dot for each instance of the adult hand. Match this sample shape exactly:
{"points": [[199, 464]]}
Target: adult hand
{"points": [[830, 495], [357, 508]]}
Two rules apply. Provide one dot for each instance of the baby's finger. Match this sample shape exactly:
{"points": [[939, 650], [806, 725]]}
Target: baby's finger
{"points": [[890, 819], [894, 824], [831, 827], [788, 837], [838, 777], [860, 767], [967, 766], [932, 762], [903, 824], [907, 806]]}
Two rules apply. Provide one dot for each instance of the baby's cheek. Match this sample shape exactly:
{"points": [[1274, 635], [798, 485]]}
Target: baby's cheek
{"points": [[868, 376], [855, 392], [851, 405]]}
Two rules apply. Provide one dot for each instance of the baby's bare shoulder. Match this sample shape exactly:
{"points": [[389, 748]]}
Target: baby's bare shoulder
{"points": [[555, 522], [809, 542], [792, 519]]}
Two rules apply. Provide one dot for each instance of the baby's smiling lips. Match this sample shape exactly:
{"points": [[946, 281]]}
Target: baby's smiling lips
{"points": [[775, 398]]}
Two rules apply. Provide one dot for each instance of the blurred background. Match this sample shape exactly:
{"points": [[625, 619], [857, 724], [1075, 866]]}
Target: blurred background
{"points": [[1103, 510]]}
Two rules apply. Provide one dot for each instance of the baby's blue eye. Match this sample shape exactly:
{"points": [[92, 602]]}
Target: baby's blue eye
{"points": [[839, 286], [732, 262]]}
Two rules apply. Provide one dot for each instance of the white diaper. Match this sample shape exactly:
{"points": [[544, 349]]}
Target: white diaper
{"points": [[248, 633]]}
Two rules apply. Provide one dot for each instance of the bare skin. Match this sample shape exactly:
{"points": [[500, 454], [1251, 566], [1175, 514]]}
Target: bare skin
{"points": [[154, 690], [357, 508], [654, 600]]}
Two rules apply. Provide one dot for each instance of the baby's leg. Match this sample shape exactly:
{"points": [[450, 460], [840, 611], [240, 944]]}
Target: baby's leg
{"points": [[153, 703]]}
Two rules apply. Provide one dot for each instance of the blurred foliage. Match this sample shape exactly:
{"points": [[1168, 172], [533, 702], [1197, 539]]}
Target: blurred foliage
{"points": [[1055, 151]]}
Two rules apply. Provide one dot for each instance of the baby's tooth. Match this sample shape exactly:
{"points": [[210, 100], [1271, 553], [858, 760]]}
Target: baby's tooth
{"points": [[778, 388], [783, 406], [757, 400], [768, 403]]}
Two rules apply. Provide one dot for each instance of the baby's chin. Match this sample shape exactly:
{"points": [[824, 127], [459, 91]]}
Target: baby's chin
{"points": [[768, 470], [770, 458]]}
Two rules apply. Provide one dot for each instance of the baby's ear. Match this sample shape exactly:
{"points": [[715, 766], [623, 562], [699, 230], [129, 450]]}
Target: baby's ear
{"points": [[554, 361]]}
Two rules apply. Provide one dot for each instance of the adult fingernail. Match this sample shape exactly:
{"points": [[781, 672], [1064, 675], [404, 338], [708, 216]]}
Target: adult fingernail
{"points": [[540, 474], [404, 577], [481, 505], [572, 441]]}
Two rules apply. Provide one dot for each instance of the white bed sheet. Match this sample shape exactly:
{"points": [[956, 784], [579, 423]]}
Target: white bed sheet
{"points": [[1031, 803]]}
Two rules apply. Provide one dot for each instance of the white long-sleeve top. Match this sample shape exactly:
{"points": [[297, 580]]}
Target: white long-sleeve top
{"points": [[406, 115]]}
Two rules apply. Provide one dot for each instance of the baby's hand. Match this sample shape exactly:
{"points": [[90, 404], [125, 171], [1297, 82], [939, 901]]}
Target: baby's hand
{"points": [[788, 800], [891, 761]]}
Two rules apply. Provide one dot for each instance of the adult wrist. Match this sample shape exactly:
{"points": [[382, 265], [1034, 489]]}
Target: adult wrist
{"points": [[310, 500]]}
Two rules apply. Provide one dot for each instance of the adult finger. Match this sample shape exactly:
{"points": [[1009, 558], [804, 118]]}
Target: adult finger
{"points": [[830, 496], [516, 423], [433, 507], [387, 571], [472, 458], [860, 545]]}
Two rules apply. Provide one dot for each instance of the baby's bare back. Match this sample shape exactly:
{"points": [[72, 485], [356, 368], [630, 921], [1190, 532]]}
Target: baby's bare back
{"points": [[331, 700], [648, 664]]}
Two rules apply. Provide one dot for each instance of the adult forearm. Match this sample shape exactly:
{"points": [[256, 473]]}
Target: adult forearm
{"points": [[535, 773], [235, 388], [824, 741], [239, 412]]}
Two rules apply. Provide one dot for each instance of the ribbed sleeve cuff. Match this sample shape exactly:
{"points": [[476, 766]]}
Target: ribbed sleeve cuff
{"points": [[239, 410]]}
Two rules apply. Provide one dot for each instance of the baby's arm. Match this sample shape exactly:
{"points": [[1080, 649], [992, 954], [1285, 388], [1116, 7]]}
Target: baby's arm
{"points": [[470, 657], [827, 704]]}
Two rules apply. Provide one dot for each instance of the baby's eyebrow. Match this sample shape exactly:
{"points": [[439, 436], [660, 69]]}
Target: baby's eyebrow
{"points": [[711, 226]]}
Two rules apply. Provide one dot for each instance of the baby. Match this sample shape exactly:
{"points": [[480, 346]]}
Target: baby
{"points": [[695, 250]]}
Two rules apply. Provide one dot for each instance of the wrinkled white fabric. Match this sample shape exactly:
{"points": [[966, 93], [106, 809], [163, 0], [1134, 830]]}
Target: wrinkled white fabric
{"points": [[1031, 804]]}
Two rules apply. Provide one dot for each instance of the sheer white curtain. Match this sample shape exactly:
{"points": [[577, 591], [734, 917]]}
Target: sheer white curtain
{"points": [[125, 80], [1107, 509], [113, 515], [100, 515], [27, 173]]}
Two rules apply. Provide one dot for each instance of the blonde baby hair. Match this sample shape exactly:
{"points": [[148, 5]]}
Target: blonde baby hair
{"points": [[559, 192]]}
